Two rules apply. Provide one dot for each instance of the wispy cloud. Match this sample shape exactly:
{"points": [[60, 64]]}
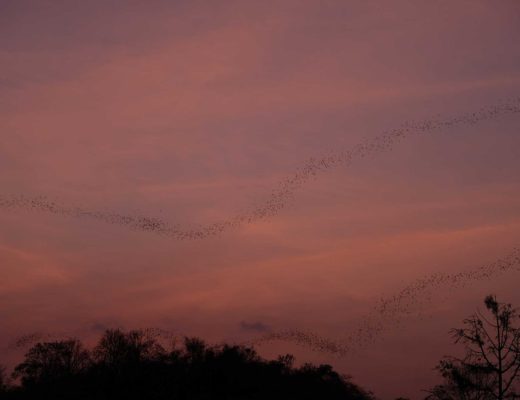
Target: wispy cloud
{"points": [[254, 327]]}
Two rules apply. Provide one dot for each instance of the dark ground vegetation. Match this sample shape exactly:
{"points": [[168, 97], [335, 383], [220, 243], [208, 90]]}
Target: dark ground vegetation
{"points": [[134, 365]]}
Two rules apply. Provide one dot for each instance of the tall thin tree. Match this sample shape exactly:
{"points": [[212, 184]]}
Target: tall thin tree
{"points": [[491, 364]]}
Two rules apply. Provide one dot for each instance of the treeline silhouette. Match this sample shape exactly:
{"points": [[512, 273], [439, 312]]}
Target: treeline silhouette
{"points": [[135, 365]]}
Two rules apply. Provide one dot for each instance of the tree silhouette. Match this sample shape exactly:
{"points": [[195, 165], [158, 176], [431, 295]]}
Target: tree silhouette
{"points": [[463, 381], [491, 363], [46, 363], [134, 365], [3, 382], [117, 348]]}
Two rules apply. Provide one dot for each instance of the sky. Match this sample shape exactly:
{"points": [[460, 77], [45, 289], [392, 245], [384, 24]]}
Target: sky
{"points": [[192, 112]]}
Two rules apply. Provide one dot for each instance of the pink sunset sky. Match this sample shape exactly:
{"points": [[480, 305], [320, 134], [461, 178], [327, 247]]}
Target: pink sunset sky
{"points": [[193, 111]]}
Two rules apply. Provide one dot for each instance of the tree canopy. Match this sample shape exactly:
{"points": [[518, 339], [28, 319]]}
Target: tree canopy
{"points": [[134, 365]]}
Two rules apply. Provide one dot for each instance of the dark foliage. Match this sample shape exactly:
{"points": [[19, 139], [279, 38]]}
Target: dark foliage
{"points": [[490, 367], [133, 365], [3, 382]]}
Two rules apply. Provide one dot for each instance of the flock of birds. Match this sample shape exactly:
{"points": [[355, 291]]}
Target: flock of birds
{"points": [[162, 336], [281, 195], [389, 312]]}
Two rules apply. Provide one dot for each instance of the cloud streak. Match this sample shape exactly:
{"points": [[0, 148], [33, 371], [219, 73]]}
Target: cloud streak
{"points": [[254, 326]]}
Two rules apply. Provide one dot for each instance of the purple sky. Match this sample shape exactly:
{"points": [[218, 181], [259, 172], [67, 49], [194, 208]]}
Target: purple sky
{"points": [[193, 111]]}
